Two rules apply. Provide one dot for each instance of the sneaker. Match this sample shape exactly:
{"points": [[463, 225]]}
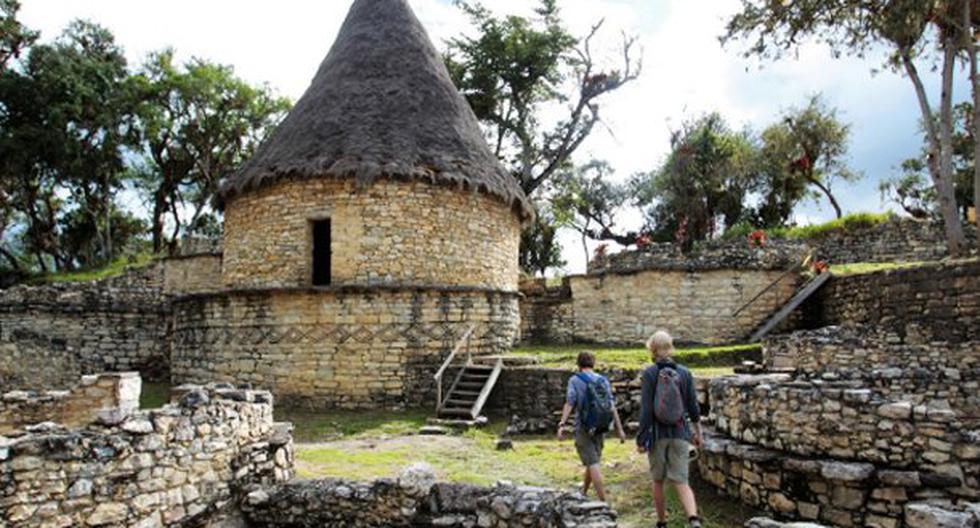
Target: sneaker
{"points": [[661, 524], [694, 522]]}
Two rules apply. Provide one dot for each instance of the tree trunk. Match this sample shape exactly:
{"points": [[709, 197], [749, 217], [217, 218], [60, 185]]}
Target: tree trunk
{"points": [[159, 210], [14, 264], [947, 197], [971, 48], [942, 180], [585, 248], [107, 206], [830, 196]]}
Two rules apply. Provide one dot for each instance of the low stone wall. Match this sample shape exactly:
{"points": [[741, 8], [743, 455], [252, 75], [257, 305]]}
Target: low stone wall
{"points": [[938, 301], [897, 240], [52, 334], [696, 307], [895, 368], [186, 464], [414, 499], [844, 420], [96, 397], [546, 312], [532, 398], [337, 347], [836, 492]]}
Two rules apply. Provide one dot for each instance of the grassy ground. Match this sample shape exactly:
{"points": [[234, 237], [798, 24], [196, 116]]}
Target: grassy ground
{"points": [[370, 445], [713, 361], [116, 268], [154, 395]]}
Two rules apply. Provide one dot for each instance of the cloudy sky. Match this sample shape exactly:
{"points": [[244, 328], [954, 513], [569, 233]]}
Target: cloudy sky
{"points": [[686, 71]]}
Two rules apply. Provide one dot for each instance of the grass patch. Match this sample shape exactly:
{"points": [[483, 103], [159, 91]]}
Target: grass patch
{"points": [[537, 461], [860, 268], [704, 361], [845, 224], [117, 267], [154, 395], [312, 426]]}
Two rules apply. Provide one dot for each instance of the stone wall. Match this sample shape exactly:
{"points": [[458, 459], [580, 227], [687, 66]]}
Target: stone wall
{"points": [[391, 232], [546, 312], [97, 396], [840, 493], [532, 397], [695, 307], [337, 347], [197, 273], [846, 420], [187, 464], [415, 499], [52, 334], [897, 240], [870, 423], [934, 301]]}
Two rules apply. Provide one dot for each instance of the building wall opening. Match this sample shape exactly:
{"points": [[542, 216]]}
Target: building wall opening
{"points": [[321, 252]]}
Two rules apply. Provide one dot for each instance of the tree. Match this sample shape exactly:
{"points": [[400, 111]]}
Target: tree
{"points": [[910, 29], [539, 240], [517, 67], [911, 191], [14, 37], [85, 72], [807, 147], [702, 185], [198, 123], [587, 201]]}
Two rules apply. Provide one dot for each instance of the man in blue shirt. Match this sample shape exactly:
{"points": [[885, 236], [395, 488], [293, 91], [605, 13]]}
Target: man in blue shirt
{"points": [[588, 443], [668, 390]]}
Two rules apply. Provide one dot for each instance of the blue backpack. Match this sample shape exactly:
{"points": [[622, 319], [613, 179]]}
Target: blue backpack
{"points": [[598, 405]]}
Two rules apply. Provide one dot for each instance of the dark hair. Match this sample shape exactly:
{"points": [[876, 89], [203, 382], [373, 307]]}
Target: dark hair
{"points": [[586, 360]]}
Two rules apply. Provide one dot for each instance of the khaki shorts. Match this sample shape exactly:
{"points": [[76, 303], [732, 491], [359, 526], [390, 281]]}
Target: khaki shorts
{"points": [[589, 447], [669, 460]]}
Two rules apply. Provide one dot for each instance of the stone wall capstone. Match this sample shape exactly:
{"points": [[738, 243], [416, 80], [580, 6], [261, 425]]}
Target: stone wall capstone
{"points": [[187, 464]]}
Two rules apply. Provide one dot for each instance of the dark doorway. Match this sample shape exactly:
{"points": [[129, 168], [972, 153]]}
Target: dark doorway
{"points": [[321, 252]]}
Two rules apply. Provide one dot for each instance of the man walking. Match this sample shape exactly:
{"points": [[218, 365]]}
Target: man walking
{"points": [[668, 408], [590, 395]]}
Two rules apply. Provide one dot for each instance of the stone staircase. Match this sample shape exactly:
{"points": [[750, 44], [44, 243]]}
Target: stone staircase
{"points": [[804, 293]]}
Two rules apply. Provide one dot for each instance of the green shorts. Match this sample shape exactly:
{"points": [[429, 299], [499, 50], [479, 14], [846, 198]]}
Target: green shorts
{"points": [[589, 447], [669, 460]]}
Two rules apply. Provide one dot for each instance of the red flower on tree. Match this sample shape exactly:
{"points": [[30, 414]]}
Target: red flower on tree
{"points": [[643, 241]]}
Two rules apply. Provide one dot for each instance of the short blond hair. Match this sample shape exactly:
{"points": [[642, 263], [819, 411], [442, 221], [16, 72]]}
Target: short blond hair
{"points": [[661, 345]]}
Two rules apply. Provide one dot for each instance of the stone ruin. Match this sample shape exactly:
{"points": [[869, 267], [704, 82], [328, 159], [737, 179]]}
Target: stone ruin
{"points": [[862, 428], [90, 457]]}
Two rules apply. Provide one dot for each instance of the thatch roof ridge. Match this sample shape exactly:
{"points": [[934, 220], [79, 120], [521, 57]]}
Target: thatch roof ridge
{"points": [[381, 105]]}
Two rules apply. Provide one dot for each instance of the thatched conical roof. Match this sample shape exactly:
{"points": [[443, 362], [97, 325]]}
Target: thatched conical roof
{"points": [[382, 105]]}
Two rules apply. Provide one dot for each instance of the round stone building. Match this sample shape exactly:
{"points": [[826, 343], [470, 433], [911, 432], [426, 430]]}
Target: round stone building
{"points": [[365, 236]]}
